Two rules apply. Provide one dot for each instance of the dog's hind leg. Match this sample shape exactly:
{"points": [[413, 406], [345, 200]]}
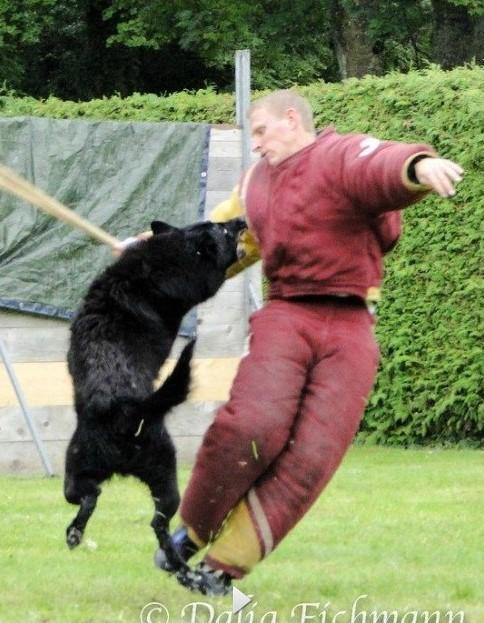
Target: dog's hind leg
{"points": [[166, 557], [87, 501], [164, 492]]}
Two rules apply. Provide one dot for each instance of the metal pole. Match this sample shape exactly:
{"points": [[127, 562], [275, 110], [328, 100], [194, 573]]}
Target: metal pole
{"points": [[242, 101], [25, 411]]}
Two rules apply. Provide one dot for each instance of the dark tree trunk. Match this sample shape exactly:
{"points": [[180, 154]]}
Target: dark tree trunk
{"points": [[457, 36], [110, 68], [354, 50]]}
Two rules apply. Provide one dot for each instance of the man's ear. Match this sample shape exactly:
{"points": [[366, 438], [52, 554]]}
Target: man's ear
{"points": [[293, 117], [160, 227]]}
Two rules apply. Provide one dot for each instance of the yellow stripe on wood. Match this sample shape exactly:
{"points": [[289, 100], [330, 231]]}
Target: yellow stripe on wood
{"points": [[49, 383]]}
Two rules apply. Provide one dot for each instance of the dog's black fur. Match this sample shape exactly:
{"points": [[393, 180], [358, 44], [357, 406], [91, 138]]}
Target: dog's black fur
{"points": [[120, 337]]}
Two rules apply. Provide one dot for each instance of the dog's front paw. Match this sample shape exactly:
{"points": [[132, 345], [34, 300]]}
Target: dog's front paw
{"points": [[73, 537]]}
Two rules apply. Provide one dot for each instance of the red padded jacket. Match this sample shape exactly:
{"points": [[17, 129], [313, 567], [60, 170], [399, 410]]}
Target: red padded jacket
{"points": [[325, 216]]}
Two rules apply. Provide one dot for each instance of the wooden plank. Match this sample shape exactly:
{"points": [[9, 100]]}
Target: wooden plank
{"points": [[18, 454], [224, 134], [214, 341], [36, 343], [223, 179], [232, 342], [21, 458], [52, 423], [212, 378], [236, 284], [225, 149], [58, 423], [43, 384], [221, 333], [12, 319], [50, 384], [186, 424], [191, 418], [227, 310], [223, 164], [210, 325], [220, 340]]}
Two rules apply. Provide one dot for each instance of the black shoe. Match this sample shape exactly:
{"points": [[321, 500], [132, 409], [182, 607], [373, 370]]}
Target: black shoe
{"points": [[203, 579], [182, 548]]}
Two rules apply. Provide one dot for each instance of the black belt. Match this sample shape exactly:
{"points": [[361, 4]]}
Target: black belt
{"points": [[345, 300]]}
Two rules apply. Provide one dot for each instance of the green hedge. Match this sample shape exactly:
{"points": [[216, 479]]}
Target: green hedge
{"points": [[429, 388], [201, 106]]}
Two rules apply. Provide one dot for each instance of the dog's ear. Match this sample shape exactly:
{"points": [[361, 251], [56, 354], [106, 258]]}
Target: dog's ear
{"points": [[160, 227]]}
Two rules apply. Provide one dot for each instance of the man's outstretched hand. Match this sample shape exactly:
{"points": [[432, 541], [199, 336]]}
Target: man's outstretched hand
{"points": [[440, 174]]}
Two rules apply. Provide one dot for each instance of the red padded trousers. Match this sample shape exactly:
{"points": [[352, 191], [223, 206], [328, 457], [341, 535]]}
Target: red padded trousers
{"points": [[294, 408]]}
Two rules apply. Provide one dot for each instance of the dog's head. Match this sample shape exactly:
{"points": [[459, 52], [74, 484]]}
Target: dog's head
{"points": [[188, 264], [213, 245]]}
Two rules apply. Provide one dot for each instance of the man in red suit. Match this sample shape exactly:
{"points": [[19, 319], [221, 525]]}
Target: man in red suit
{"points": [[322, 211]]}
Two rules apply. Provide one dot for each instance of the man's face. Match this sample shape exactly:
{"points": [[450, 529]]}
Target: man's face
{"points": [[272, 137]]}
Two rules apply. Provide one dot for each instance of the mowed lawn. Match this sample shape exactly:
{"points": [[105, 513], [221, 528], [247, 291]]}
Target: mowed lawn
{"points": [[397, 531]]}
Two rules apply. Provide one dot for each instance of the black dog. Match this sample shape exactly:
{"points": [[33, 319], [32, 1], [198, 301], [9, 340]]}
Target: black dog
{"points": [[120, 337]]}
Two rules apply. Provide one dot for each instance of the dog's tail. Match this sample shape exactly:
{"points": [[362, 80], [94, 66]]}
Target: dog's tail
{"points": [[135, 412], [175, 388]]}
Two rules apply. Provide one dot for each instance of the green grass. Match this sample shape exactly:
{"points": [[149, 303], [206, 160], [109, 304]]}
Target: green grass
{"points": [[404, 527]]}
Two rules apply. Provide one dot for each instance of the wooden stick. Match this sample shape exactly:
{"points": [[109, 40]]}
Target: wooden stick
{"points": [[20, 187]]}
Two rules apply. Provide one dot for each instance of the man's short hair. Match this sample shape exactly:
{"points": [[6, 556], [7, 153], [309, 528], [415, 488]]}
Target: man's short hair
{"points": [[278, 102]]}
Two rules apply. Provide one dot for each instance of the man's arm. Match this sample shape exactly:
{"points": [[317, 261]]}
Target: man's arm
{"points": [[386, 175]]}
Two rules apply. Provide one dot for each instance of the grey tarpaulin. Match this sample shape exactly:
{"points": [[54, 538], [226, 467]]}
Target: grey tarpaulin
{"points": [[119, 175]]}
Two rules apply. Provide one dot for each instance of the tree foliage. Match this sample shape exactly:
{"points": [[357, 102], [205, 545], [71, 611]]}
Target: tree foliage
{"points": [[475, 7], [402, 41], [92, 48], [289, 40], [21, 27]]}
